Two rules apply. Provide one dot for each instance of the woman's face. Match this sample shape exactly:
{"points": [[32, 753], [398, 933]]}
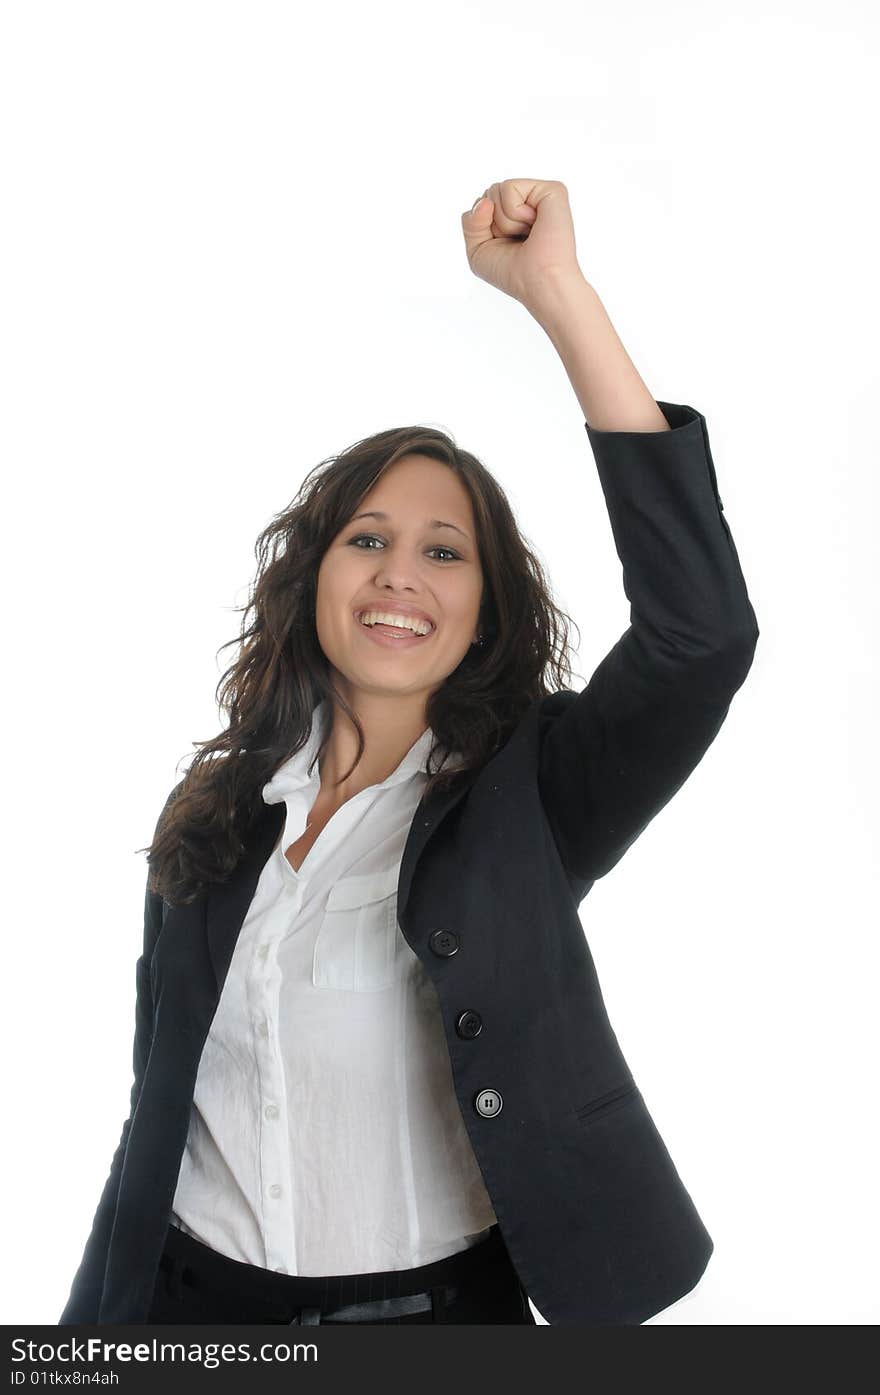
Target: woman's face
{"points": [[403, 558]]}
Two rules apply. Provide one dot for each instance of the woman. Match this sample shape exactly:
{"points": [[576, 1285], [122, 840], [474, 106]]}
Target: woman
{"points": [[374, 1081]]}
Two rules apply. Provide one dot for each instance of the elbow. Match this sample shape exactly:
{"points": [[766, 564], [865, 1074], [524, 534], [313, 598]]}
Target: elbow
{"points": [[735, 655]]}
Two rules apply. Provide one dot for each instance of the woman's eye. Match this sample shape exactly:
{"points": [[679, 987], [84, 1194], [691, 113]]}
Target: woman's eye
{"points": [[371, 537]]}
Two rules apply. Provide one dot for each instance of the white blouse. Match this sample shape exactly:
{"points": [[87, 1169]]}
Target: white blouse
{"points": [[325, 1136]]}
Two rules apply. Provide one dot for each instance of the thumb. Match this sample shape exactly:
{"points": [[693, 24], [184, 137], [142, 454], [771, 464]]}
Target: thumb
{"points": [[477, 221]]}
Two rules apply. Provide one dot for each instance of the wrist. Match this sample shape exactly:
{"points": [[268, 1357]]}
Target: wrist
{"points": [[560, 293]]}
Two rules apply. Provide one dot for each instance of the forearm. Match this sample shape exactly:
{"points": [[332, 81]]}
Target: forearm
{"points": [[606, 383]]}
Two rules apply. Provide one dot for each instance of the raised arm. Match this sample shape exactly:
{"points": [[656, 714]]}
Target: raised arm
{"points": [[613, 755]]}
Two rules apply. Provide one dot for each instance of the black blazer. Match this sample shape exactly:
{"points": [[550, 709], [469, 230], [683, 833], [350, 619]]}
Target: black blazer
{"points": [[592, 1210]]}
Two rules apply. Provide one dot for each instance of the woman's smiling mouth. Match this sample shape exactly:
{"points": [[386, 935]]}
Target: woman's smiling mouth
{"points": [[384, 633]]}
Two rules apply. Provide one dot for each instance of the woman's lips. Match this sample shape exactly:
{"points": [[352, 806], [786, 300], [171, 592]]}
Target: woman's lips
{"points": [[380, 634]]}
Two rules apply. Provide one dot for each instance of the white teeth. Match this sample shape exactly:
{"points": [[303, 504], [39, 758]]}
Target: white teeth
{"points": [[383, 617]]}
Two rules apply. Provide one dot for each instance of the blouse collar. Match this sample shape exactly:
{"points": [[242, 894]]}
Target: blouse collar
{"points": [[294, 773]]}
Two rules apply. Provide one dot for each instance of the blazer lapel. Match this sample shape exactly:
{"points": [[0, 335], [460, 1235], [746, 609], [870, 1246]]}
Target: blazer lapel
{"points": [[226, 903], [430, 813]]}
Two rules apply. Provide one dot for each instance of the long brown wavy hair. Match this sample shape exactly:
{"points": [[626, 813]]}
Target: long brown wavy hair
{"points": [[281, 673]]}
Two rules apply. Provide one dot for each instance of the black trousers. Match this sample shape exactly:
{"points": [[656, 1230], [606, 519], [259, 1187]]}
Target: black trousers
{"points": [[196, 1284]]}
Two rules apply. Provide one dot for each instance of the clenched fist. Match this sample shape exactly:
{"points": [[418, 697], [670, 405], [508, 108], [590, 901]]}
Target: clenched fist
{"points": [[520, 235]]}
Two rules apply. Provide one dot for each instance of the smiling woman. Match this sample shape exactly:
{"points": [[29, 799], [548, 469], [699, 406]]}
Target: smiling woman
{"points": [[375, 1080]]}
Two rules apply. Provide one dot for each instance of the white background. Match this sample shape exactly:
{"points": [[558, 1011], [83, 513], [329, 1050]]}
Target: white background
{"points": [[232, 246]]}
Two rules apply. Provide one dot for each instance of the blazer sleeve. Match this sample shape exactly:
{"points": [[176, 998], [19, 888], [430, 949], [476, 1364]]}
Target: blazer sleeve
{"points": [[88, 1283], [611, 756]]}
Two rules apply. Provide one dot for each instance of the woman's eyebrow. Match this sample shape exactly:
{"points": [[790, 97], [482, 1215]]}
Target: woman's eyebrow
{"points": [[431, 522]]}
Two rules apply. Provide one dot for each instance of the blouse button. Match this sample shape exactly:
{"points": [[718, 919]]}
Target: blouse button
{"points": [[271, 1111], [274, 1190]]}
